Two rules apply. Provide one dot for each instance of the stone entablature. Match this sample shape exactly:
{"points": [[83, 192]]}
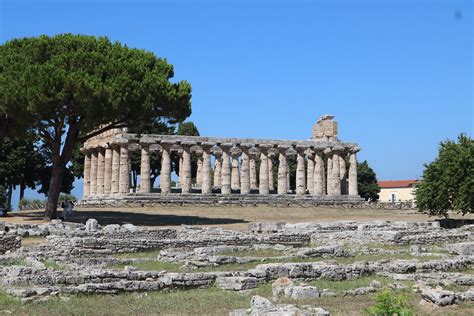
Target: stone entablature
{"points": [[325, 166]]}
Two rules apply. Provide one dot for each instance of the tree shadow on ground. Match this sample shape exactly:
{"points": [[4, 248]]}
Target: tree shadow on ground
{"points": [[135, 218], [450, 223]]}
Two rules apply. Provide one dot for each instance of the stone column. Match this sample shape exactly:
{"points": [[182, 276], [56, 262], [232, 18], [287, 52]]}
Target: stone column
{"points": [[93, 174], [343, 177], [165, 172], [100, 171], [253, 172], [199, 170], [115, 169], [124, 178], [217, 170], [108, 170], [245, 172], [336, 177], [235, 176], [226, 170], [87, 174], [329, 173], [271, 185], [300, 174], [353, 190], [310, 172], [282, 172], [206, 170], [145, 181], [181, 174], [318, 177], [263, 185], [186, 170]]}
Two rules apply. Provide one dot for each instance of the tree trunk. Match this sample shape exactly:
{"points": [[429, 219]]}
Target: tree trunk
{"points": [[54, 188], [3, 127], [22, 190], [9, 198], [60, 159]]}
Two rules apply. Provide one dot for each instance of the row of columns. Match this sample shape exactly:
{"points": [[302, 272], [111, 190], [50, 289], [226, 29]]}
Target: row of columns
{"points": [[107, 170]]}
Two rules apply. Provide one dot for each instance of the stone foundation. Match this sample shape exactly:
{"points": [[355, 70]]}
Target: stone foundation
{"points": [[218, 200]]}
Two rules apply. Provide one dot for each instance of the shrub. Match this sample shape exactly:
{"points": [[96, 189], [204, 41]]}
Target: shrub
{"points": [[388, 303], [67, 196]]}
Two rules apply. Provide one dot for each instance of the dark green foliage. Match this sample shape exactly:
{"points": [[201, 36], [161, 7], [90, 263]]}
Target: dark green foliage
{"points": [[68, 88], [187, 128], [448, 181], [367, 182], [388, 303], [21, 163]]}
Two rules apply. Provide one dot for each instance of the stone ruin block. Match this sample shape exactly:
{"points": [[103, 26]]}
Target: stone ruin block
{"points": [[325, 129]]}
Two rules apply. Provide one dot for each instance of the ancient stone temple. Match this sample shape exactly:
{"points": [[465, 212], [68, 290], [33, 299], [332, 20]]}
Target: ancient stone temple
{"points": [[229, 170]]}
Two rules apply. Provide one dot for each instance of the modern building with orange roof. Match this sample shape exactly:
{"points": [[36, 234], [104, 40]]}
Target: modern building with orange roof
{"points": [[397, 190]]}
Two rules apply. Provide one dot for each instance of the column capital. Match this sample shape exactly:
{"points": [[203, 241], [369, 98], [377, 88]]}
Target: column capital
{"points": [[226, 146], [354, 150], [263, 148], [246, 146], [327, 151]]}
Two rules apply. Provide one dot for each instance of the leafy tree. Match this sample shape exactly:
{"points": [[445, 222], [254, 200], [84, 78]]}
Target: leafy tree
{"points": [[448, 181], [367, 182], [20, 165], [188, 129], [72, 87]]}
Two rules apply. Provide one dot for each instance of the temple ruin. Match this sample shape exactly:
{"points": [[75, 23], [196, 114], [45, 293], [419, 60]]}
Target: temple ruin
{"points": [[229, 170]]}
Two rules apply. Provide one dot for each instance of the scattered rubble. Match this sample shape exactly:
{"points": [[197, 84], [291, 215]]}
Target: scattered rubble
{"points": [[289, 256]]}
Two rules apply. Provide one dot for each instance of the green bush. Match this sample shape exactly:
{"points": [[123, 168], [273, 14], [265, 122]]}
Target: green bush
{"points": [[67, 196], [24, 204], [28, 204], [388, 303]]}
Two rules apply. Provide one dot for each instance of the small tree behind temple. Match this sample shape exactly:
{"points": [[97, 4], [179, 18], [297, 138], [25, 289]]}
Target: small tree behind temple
{"points": [[367, 182]]}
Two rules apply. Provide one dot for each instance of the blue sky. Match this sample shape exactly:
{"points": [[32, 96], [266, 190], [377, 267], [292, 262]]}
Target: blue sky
{"points": [[398, 75]]}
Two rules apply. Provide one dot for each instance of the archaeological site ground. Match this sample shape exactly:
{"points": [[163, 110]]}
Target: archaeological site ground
{"points": [[234, 260]]}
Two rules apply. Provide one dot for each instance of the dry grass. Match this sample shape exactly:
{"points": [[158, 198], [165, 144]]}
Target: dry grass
{"points": [[209, 301], [32, 241], [231, 217]]}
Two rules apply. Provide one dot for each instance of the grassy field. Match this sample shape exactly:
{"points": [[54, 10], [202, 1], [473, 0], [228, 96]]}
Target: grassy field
{"points": [[209, 301], [230, 217]]}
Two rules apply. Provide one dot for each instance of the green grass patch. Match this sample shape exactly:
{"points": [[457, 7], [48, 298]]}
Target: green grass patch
{"points": [[15, 262], [152, 254], [204, 301], [389, 246], [265, 252], [455, 287], [49, 263], [209, 301]]}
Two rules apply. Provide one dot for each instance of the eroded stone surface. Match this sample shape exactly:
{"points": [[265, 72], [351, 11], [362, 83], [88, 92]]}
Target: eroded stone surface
{"points": [[291, 253]]}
